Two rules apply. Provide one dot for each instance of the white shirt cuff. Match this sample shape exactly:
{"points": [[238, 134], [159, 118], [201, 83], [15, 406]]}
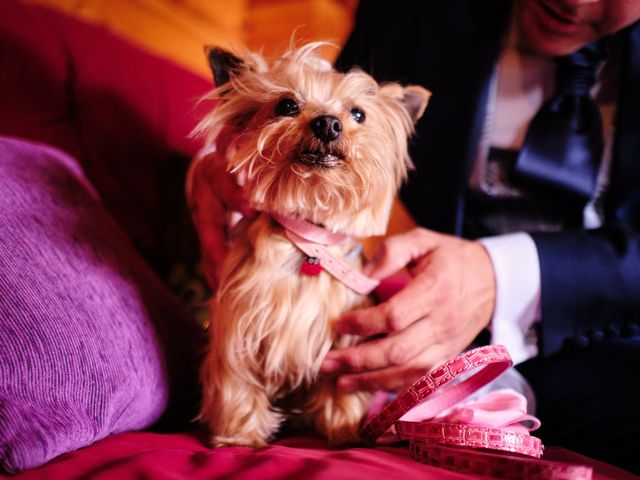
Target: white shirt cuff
{"points": [[517, 270]]}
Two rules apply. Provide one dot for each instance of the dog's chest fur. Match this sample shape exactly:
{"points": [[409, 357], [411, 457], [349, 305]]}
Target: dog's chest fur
{"points": [[274, 316]]}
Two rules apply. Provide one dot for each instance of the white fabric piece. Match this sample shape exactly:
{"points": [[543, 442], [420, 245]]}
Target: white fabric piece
{"points": [[517, 270]]}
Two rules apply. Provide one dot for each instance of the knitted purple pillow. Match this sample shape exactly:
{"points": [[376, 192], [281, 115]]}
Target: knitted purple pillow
{"points": [[89, 337]]}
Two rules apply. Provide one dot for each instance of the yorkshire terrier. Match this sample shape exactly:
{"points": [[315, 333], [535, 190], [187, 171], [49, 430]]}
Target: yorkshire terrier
{"points": [[321, 155]]}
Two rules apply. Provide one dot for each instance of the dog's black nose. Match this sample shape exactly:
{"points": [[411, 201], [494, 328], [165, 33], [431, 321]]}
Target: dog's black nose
{"points": [[326, 127]]}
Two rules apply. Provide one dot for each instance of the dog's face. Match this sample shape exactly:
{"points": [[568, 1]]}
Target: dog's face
{"points": [[328, 147]]}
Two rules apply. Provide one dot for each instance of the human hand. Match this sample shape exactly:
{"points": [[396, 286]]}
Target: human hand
{"points": [[448, 301], [213, 194]]}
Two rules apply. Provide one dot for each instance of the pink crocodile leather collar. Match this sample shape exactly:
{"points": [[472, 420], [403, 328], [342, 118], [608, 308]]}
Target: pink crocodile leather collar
{"points": [[313, 241]]}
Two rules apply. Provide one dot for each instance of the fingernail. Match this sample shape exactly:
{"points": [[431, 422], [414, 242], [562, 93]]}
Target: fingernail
{"points": [[329, 365]]}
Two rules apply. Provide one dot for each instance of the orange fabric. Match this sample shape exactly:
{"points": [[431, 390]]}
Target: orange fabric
{"points": [[174, 29], [178, 29], [270, 23]]}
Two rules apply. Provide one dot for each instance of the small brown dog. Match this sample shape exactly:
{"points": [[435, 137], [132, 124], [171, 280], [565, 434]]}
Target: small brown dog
{"points": [[314, 147]]}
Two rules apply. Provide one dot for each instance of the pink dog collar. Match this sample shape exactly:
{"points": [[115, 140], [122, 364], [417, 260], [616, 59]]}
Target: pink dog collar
{"points": [[313, 240]]}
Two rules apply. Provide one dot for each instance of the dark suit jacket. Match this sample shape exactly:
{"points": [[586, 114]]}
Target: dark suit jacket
{"points": [[590, 279]]}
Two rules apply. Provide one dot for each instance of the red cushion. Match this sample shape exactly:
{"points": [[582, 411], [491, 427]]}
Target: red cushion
{"points": [[123, 112], [34, 80]]}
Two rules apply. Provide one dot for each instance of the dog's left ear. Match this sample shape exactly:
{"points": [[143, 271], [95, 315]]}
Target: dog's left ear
{"points": [[223, 64], [415, 99]]}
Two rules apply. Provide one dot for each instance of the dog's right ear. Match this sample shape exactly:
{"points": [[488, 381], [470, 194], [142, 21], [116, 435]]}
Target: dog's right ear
{"points": [[223, 64], [415, 100]]}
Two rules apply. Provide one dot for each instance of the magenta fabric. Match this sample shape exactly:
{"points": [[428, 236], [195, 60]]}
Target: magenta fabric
{"points": [[89, 337], [132, 456]]}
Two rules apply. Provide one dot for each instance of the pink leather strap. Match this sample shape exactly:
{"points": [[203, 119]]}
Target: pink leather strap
{"points": [[498, 465], [427, 434], [422, 400], [313, 241]]}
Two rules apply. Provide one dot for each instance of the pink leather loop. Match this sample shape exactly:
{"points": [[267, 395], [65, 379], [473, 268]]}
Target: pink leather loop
{"points": [[413, 404]]}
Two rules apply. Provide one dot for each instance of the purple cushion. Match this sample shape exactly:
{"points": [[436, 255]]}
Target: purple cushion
{"points": [[89, 337]]}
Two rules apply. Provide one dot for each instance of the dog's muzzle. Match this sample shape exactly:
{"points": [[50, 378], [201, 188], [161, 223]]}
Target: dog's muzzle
{"points": [[319, 159]]}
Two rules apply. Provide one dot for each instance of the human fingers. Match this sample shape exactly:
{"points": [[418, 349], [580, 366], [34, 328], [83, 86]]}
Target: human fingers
{"points": [[239, 200], [397, 251], [394, 378], [394, 350], [403, 309], [225, 186]]}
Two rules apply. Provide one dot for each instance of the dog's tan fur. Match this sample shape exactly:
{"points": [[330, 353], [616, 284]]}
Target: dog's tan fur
{"points": [[270, 325]]}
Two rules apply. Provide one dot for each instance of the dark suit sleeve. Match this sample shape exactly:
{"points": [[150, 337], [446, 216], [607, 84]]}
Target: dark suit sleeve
{"points": [[590, 284]]}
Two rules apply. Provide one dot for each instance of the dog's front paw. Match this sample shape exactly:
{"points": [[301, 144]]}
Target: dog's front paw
{"points": [[247, 440], [341, 417], [344, 435]]}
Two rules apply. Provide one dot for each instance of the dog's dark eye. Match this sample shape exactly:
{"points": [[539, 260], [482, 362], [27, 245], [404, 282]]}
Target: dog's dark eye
{"points": [[357, 114], [287, 107]]}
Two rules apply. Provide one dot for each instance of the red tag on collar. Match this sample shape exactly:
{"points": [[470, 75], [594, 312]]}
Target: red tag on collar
{"points": [[311, 267]]}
